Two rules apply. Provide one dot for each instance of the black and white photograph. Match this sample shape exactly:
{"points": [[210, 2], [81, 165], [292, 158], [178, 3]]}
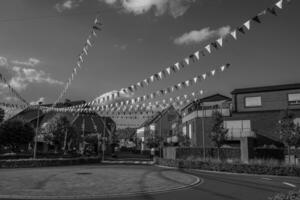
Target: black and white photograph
{"points": [[150, 99]]}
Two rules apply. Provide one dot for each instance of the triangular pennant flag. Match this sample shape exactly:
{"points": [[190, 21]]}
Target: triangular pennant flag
{"points": [[214, 44], [204, 76], [256, 19], [89, 42], [187, 61], [241, 29], [213, 72], [197, 55], [94, 33], [160, 74], [222, 68], [168, 70], [208, 48], [96, 28], [152, 78], [279, 4], [272, 11], [220, 41], [85, 51], [177, 65], [247, 24], [195, 79], [233, 34]]}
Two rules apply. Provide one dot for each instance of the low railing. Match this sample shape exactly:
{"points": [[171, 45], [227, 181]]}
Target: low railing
{"points": [[237, 133]]}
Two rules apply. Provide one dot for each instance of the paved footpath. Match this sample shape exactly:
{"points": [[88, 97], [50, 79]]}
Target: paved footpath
{"points": [[141, 182]]}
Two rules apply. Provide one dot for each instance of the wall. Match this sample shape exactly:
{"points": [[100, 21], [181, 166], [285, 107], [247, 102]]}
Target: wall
{"points": [[263, 123], [275, 100]]}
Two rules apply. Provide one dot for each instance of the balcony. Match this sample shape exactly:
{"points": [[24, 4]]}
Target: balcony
{"points": [[205, 113], [238, 133]]}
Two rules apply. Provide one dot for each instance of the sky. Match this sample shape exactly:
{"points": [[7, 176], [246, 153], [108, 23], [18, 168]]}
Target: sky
{"points": [[40, 41]]}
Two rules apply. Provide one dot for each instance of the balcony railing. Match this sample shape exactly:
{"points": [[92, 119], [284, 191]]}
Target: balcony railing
{"points": [[237, 133]]}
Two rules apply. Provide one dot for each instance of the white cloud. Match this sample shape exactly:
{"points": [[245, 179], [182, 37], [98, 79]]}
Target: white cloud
{"points": [[67, 5], [31, 62], [198, 36], [3, 61], [41, 99], [121, 47], [24, 76], [123, 96], [175, 8]]}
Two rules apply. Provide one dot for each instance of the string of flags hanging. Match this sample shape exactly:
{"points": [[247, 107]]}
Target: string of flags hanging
{"points": [[13, 91], [194, 57], [137, 109], [89, 43], [13, 106], [158, 93]]}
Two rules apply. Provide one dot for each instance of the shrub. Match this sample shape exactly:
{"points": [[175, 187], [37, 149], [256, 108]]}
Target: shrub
{"points": [[48, 162], [232, 167], [292, 195]]}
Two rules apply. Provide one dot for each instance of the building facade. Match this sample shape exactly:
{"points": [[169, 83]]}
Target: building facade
{"points": [[251, 114]]}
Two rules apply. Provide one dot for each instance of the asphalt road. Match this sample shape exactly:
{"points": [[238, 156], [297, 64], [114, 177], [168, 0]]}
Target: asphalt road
{"points": [[222, 186], [213, 185]]}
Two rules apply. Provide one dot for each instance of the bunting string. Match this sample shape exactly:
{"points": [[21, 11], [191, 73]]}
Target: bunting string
{"points": [[207, 50], [89, 43], [13, 91], [159, 93]]}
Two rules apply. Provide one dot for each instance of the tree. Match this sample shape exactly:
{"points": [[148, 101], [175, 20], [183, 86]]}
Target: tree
{"points": [[218, 133], [288, 131], [2, 115], [16, 133], [60, 132]]}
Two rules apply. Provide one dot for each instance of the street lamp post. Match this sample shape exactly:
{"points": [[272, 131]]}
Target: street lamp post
{"points": [[36, 131], [203, 133]]}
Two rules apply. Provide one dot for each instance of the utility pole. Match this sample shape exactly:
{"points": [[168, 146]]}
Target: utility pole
{"points": [[36, 131], [203, 133], [103, 137]]}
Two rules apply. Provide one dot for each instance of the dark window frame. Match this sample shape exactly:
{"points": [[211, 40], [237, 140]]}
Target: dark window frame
{"points": [[258, 106], [290, 102]]}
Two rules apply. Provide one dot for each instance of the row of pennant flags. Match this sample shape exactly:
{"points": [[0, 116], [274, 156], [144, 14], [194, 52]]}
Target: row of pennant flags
{"points": [[159, 93], [194, 57], [144, 108], [89, 43], [135, 104], [14, 92]]}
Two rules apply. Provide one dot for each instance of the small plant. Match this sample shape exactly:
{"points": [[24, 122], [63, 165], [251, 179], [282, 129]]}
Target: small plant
{"points": [[292, 195], [218, 133]]}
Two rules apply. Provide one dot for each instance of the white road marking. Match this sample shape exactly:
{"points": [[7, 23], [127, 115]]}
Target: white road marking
{"points": [[268, 179], [289, 184]]}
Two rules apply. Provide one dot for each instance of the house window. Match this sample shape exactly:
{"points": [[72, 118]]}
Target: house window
{"points": [[252, 101], [294, 98], [184, 130], [190, 131]]}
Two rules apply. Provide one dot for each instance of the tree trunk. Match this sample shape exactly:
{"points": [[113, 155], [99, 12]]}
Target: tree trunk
{"points": [[289, 154], [218, 153]]}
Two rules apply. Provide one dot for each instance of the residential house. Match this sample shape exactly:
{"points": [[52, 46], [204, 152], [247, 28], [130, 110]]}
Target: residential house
{"points": [[197, 117], [160, 126]]}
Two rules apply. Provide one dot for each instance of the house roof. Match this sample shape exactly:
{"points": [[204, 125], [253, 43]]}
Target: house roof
{"points": [[211, 98], [267, 88], [156, 117]]}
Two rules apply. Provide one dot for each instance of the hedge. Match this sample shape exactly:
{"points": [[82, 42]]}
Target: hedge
{"points": [[48, 162], [232, 167]]}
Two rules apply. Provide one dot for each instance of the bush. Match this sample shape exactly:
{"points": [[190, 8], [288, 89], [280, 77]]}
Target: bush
{"points": [[48, 162], [232, 167], [292, 195]]}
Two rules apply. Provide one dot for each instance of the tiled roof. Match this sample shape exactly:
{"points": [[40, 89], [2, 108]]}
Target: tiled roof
{"points": [[267, 88], [211, 98]]}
